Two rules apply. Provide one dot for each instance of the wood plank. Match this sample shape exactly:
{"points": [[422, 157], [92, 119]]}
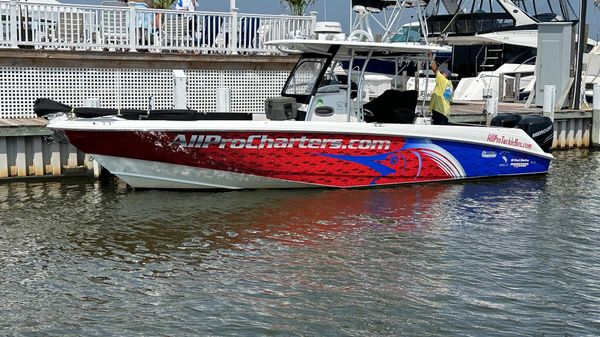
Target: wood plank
{"points": [[3, 158], [16, 122], [579, 132], [98, 59], [562, 135], [38, 156], [20, 160], [570, 133], [55, 159], [72, 159]]}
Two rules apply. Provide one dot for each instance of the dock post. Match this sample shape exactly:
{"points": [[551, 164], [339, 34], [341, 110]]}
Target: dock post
{"points": [[180, 90], [223, 100], [491, 108], [3, 158], [549, 101], [596, 117], [516, 87]]}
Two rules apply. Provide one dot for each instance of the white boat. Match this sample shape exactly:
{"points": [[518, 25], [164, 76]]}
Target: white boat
{"points": [[318, 134], [480, 22], [493, 41]]}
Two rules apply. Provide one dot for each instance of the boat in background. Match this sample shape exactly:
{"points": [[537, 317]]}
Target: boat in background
{"points": [[494, 41]]}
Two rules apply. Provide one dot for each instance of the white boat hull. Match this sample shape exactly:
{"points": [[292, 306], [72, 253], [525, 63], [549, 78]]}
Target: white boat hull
{"points": [[291, 154]]}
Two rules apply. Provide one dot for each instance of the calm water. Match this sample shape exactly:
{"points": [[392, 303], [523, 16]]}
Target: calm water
{"points": [[489, 258]]}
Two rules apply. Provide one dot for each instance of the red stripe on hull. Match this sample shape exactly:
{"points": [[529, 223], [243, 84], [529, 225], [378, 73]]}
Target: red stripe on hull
{"points": [[338, 160]]}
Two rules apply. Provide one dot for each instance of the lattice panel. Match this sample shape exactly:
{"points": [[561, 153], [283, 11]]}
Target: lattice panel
{"points": [[117, 88], [133, 88], [249, 88]]}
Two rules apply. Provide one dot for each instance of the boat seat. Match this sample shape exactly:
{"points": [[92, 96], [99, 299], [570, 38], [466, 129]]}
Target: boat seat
{"points": [[393, 106]]}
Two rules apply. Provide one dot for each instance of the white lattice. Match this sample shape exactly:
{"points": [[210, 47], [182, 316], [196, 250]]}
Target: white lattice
{"points": [[133, 88], [249, 88]]}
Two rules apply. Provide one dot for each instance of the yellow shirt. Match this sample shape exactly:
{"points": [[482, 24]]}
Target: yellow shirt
{"points": [[438, 102]]}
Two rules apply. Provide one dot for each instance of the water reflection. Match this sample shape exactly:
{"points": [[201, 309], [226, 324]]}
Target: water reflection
{"points": [[115, 222], [515, 256], [146, 226]]}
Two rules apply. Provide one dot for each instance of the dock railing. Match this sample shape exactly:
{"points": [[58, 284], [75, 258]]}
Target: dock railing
{"points": [[115, 26]]}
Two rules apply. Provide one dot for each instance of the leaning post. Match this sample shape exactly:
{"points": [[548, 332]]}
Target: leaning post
{"points": [[596, 117]]}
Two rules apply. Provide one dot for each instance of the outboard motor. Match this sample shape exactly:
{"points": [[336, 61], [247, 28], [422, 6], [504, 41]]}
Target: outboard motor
{"points": [[540, 128], [506, 120]]}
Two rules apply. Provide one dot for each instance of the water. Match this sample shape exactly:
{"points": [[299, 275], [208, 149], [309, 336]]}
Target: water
{"points": [[483, 258]]}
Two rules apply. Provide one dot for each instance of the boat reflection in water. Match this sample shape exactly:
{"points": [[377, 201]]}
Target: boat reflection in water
{"points": [[152, 225]]}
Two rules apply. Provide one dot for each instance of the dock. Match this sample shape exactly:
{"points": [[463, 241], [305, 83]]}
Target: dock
{"points": [[572, 128], [26, 150]]}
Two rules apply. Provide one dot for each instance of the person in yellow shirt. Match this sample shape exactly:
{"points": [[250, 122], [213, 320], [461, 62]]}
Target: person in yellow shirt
{"points": [[441, 95]]}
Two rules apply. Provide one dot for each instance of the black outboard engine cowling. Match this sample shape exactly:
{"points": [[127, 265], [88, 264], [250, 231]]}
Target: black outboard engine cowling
{"points": [[540, 128], [506, 120]]}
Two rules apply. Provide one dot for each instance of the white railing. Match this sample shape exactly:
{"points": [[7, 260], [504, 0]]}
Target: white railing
{"points": [[123, 28]]}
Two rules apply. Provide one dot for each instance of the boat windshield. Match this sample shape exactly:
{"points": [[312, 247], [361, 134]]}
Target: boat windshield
{"points": [[407, 34], [304, 78], [548, 10]]}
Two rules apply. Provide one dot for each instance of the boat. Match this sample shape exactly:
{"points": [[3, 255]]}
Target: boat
{"points": [[319, 133], [495, 43]]}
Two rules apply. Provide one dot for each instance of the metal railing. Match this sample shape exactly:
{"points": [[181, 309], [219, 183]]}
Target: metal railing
{"points": [[123, 28]]}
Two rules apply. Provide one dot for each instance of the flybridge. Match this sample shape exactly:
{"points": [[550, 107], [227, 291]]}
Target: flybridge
{"points": [[468, 17]]}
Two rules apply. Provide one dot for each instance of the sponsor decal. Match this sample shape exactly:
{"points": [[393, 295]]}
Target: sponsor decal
{"points": [[488, 154], [266, 142], [519, 162], [510, 141], [541, 132], [504, 156]]}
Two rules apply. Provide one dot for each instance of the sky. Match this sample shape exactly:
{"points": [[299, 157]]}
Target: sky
{"points": [[337, 10]]}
